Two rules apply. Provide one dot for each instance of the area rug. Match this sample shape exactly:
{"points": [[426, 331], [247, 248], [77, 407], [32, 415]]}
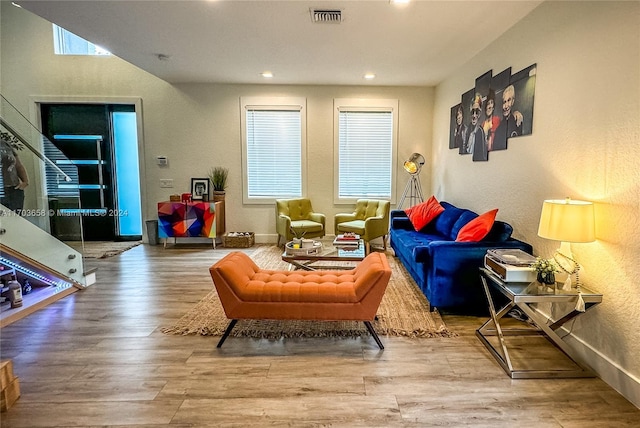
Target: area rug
{"points": [[102, 249], [404, 311]]}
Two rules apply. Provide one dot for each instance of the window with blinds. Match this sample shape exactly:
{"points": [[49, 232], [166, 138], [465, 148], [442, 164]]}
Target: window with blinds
{"points": [[365, 149], [274, 149]]}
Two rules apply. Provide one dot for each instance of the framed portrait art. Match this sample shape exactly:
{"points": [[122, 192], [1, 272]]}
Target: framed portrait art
{"points": [[200, 189], [496, 111]]}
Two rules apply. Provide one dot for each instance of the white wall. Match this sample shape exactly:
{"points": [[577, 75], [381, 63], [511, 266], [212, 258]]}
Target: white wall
{"points": [[208, 131], [585, 144], [197, 126]]}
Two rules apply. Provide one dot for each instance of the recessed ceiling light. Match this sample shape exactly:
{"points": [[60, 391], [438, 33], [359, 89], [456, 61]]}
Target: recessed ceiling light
{"points": [[399, 1], [369, 76], [267, 74]]}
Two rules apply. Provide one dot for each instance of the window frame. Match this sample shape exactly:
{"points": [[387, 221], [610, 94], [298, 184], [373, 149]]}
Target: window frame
{"points": [[364, 105], [273, 103]]}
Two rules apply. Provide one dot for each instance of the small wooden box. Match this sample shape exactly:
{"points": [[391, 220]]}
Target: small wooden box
{"points": [[10, 386], [238, 239], [6, 373], [9, 395]]}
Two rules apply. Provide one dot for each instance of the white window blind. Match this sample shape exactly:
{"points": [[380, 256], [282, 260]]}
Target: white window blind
{"points": [[365, 153], [274, 152]]}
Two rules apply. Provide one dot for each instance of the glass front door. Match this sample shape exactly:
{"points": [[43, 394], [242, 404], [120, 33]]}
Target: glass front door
{"points": [[106, 165]]}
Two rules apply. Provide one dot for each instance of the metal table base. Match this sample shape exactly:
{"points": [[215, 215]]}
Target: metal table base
{"points": [[540, 327]]}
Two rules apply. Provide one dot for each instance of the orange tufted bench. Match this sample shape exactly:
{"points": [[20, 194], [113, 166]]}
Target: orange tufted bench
{"points": [[248, 292]]}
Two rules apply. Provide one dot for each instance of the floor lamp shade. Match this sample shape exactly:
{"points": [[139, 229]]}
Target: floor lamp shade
{"points": [[567, 220], [414, 163]]}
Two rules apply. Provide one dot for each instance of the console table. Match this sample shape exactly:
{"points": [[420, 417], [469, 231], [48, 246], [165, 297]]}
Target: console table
{"points": [[523, 295], [190, 219]]}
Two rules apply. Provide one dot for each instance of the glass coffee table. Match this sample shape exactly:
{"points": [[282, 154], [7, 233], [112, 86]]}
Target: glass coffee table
{"points": [[327, 253]]}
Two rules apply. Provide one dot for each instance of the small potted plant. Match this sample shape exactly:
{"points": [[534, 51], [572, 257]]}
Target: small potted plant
{"points": [[546, 271], [218, 176]]}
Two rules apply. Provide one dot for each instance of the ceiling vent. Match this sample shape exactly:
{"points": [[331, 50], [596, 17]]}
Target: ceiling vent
{"points": [[326, 16]]}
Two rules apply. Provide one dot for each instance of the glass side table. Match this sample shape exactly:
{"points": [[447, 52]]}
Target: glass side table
{"points": [[523, 295]]}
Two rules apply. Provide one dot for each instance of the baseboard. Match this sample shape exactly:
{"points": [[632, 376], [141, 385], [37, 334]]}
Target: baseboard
{"points": [[609, 371], [266, 238]]}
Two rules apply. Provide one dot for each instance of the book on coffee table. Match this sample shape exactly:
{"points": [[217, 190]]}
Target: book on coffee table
{"points": [[347, 239]]}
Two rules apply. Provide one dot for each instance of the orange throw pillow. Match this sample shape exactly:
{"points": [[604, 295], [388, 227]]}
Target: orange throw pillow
{"points": [[421, 215], [477, 228]]}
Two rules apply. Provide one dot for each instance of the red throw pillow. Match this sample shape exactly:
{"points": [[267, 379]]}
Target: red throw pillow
{"points": [[421, 215], [477, 228]]}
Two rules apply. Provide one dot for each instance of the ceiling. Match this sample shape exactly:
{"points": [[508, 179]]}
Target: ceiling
{"points": [[419, 43]]}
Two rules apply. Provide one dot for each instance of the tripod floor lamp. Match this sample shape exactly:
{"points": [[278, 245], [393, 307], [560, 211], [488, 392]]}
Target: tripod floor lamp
{"points": [[413, 190]]}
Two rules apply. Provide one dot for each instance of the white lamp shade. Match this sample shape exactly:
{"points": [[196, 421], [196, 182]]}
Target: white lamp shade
{"points": [[567, 220]]}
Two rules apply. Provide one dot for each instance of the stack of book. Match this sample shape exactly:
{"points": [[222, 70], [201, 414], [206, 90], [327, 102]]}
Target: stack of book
{"points": [[347, 240]]}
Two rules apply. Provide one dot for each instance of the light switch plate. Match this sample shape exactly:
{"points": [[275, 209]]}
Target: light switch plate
{"points": [[166, 182]]}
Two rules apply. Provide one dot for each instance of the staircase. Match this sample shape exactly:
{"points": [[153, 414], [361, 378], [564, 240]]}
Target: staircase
{"points": [[28, 249]]}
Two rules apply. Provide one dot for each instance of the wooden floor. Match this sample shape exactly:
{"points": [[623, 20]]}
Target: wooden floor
{"points": [[98, 358]]}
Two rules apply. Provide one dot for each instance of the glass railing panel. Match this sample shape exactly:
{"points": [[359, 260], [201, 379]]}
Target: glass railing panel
{"points": [[50, 213]]}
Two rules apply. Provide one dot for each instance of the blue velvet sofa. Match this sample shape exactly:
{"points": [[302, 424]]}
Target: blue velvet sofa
{"points": [[447, 271]]}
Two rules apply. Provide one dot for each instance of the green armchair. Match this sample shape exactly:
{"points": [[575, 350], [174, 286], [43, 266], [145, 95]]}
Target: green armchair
{"points": [[370, 220], [296, 216]]}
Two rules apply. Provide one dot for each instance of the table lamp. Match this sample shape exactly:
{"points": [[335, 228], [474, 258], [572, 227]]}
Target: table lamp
{"points": [[567, 221], [413, 165]]}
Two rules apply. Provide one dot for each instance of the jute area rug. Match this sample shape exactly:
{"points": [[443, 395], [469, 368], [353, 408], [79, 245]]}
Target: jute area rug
{"points": [[102, 249], [404, 311]]}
